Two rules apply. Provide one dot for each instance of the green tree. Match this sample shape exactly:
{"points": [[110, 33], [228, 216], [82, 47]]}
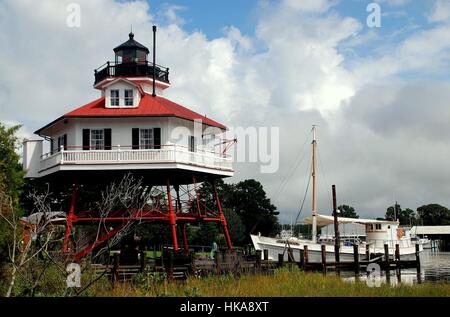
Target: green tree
{"points": [[405, 216], [249, 200], [235, 226], [11, 181], [347, 211], [434, 215], [11, 172]]}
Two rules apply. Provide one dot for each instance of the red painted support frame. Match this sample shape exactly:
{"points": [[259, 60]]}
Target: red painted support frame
{"points": [[171, 216]]}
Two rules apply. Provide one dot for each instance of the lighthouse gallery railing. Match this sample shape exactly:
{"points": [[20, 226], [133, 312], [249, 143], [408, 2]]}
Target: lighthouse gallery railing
{"points": [[119, 155]]}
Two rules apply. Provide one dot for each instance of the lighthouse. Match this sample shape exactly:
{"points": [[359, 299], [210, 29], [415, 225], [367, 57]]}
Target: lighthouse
{"points": [[132, 128]]}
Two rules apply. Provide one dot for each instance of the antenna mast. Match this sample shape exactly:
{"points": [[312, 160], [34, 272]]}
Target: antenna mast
{"points": [[313, 174]]}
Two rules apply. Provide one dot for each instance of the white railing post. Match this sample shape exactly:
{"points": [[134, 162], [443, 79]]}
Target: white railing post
{"points": [[118, 152], [61, 149], [175, 153]]}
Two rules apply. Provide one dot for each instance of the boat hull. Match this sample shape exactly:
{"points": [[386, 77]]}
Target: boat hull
{"points": [[275, 247]]}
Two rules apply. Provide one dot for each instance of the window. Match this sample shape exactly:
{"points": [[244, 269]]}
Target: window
{"points": [[146, 140], [192, 143], [378, 226], [114, 97], [97, 140], [128, 97], [62, 141]]}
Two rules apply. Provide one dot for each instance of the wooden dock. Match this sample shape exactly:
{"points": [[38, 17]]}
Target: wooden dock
{"points": [[180, 266]]}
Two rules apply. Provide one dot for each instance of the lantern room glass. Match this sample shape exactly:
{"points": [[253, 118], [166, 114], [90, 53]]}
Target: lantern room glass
{"points": [[126, 56]]}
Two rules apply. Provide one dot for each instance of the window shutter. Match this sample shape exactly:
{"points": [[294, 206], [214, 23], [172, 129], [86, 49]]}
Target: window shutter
{"points": [[51, 146], [86, 139], [135, 139], [157, 138], [65, 142], [107, 139], [192, 143]]}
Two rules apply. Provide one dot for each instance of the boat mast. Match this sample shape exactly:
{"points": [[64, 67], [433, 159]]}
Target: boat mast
{"points": [[314, 198]]}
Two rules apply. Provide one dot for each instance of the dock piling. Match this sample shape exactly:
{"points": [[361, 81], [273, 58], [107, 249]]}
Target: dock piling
{"points": [[386, 261], [258, 261], [397, 262], [280, 260], [305, 254], [324, 259], [419, 275], [356, 258]]}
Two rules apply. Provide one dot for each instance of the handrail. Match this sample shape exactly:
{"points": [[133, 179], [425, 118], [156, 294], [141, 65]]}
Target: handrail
{"points": [[165, 153], [113, 63], [131, 147], [145, 68]]}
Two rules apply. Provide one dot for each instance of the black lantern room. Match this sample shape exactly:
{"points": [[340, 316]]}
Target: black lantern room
{"points": [[131, 60], [131, 52]]}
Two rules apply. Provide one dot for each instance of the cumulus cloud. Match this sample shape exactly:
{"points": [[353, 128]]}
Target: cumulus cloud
{"points": [[381, 133]]}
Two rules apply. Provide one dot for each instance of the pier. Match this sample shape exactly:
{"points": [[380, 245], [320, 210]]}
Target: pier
{"points": [[180, 266]]}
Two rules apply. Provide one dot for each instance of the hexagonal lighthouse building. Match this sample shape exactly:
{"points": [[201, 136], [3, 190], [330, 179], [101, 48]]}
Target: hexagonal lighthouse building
{"points": [[133, 128]]}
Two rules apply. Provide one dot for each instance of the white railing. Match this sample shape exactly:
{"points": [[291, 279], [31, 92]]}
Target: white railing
{"points": [[118, 155]]}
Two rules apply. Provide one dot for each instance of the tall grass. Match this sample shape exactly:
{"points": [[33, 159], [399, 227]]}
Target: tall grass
{"points": [[283, 283]]}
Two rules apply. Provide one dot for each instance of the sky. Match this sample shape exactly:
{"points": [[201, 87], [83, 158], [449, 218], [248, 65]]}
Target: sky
{"points": [[379, 94]]}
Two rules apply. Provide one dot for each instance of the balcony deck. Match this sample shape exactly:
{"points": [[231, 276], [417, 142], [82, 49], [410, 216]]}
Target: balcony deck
{"points": [[112, 69], [123, 158]]}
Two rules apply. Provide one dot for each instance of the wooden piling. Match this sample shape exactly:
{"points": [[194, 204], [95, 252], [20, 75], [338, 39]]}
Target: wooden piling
{"points": [[305, 257], [356, 258], [115, 269], [290, 255], [386, 261], [367, 252], [280, 259], [397, 262], [337, 242], [302, 259], [141, 261], [419, 275], [258, 260], [324, 258]]}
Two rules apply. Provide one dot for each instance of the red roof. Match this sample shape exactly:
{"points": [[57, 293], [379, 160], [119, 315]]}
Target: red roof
{"points": [[149, 106]]}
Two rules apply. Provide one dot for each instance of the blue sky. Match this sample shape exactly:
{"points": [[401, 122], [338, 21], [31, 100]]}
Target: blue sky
{"points": [[210, 17]]}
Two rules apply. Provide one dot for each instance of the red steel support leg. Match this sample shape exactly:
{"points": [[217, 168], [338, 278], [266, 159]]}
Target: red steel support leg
{"points": [[172, 219], [100, 241], [223, 220], [70, 219]]}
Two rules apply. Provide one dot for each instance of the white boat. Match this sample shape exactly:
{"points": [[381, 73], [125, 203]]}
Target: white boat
{"points": [[378, 233]]}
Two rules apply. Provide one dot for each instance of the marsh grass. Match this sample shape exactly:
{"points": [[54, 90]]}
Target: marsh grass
{"points": [[283, 283]]}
